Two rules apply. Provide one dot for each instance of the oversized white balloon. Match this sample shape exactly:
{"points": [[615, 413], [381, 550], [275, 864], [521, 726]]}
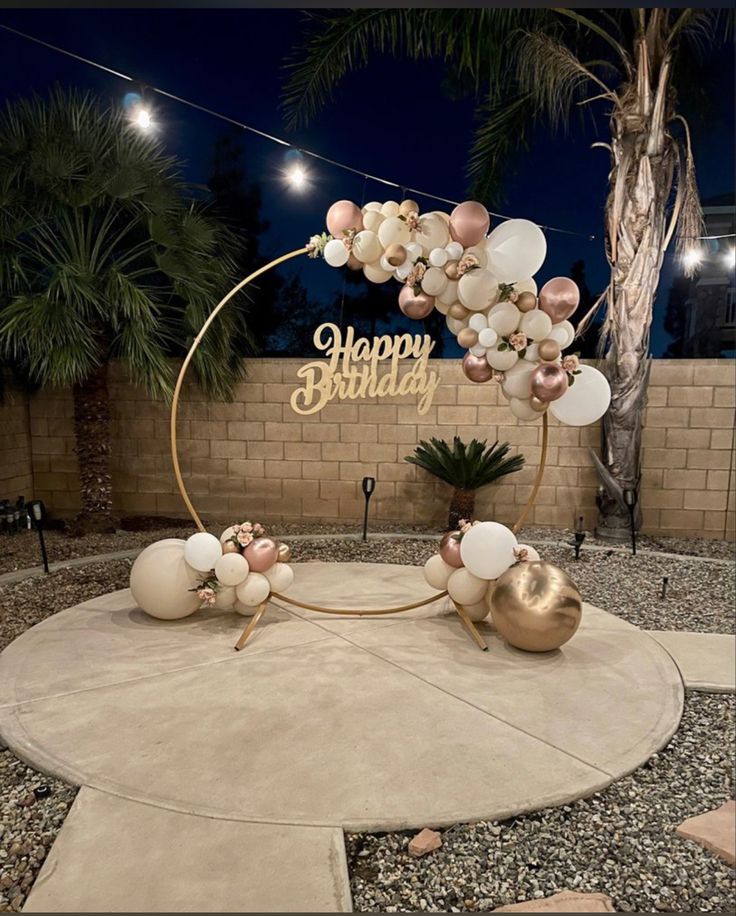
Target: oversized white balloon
{"points": [[502, 360], [255, 589], [231, 568], [393, 231], [437, 572], [225, 598], [434, 281], [563, 333], [280, 575], [518, 380], [466, 588], [477, 290], [202, 550], [522, 408], [161, 581], [516, 250], [487, 550], [336, 254], [366, 246], [536, 324], [585, 401]]}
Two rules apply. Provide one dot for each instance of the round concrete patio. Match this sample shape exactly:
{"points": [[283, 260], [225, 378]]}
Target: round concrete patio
{"points": [[370, 724]]}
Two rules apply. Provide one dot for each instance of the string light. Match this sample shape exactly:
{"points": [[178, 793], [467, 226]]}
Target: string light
{"points": [[729, 258], [297, 176], [692, 258], [142, 118]]}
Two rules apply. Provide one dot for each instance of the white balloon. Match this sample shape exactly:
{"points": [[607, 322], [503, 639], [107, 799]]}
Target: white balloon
{"points": [[438, 257], [504, 318], [442, 307], [585, 401], [477, 612], [225, 598], [384, 264], [487, 337], [501, 359], [336, 254], [255, 589], [465, 588], [521, 408], [536, 324], [372, 220], [202, 550], [448, 296], [413, 250], [280, 575], [231, 568], [456, 324], [526, 286], [531, 353], [487, 550], [432, 232], [478, 322], [478, 350], [434, 281], [531, 553], [403, 270], [516, 249], [477, 289], [437, 572], [390, 208], [377, 274], [454, 251], [244, 609], [227, 534], [394, 231], [563, 333], [373, 205], [480, 254], [517, 382], [161, 581], [366, 246]]}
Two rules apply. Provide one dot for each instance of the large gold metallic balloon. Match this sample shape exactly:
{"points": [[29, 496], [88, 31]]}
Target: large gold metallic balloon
{"points": [[536, 606]]}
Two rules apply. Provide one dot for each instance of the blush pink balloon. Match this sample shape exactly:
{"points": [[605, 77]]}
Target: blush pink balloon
{"points": [[450, 549], [261, 554], [469, 223], [559, 298], [415, 306], [549, 382], [476, 368], [343, 214]]}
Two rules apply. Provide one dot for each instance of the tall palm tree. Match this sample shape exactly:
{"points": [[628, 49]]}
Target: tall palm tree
{"points": [[528, 67], [103, 256]]}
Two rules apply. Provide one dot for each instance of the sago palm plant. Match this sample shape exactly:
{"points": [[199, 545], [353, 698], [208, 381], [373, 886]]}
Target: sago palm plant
{"points": [[104, 256], [466, 468]]}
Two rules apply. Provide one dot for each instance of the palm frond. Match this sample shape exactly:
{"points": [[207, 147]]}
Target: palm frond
{"points": [[465, 466]]}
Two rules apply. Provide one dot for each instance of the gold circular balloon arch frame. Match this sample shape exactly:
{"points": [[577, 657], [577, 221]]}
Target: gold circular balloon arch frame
{"points": [[198, 521]]}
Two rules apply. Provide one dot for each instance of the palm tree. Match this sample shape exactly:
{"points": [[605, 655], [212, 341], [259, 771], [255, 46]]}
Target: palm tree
{"points": [[528, 67], [466, 468], [104, 257]]}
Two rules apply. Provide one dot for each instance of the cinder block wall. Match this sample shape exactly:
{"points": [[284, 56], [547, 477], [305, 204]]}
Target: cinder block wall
{"points": [[255, 457], [16, 474]]}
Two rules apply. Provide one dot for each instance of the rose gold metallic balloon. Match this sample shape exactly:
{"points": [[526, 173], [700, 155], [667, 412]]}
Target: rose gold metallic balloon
{"points": [[343, 214], [549, 382], [559, 298], [476, 368], [230, 547], [458, 310], [415, 306], [469, 223], [536, 404], [451, 271], [450, 549], [284, 553], [526, 301], [536, 606], [395, 254], [548, 350], [408, 206], [261, 554], [467, 338]]}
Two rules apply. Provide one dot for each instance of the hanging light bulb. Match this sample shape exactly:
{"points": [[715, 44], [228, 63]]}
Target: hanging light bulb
{"points": [[692, 258], [297, 176], [142, 118]]}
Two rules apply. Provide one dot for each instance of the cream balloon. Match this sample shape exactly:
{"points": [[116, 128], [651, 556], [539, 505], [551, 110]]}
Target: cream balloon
{"points": [[504, 318], [231, 569], [225, 598], [434, 281], [280, 575], [477, 290], [372, 219], [456, 324], [516, 249], [366, 247], [442, 307], [531, 353], [487, 337], [245, 610], [437, 572], [522, 409], [432, 232], [449, 294], [502, 360], [336, 254], [454, 250], [438, 257], [478, 322], [390, 208], [372, 205], [480, 254], [477, 612], [255, 589], [526, 286], [563, 333], [585, 401], [517, 382], [202, 550], [394, 231], [227, 534], [536, 324], [161, 581], [376, 274], [465, 588], [487, 550], [531, 553]]}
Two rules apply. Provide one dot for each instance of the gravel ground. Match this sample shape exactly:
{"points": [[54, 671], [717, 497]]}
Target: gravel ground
{"points": [[620, 841]]}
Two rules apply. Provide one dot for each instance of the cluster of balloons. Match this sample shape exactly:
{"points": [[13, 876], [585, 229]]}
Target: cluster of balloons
{"points": [[173, 578], [471, 559], [483, 284]]}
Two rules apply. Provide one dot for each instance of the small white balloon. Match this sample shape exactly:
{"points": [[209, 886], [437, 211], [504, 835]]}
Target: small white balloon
{"points": [[585, 401], [231, 569], [244, 609], [466, 588], [502, 360], [454, 251], [438, 257], [366, 246], [478, 322], [487, 550], [563, 333], [531, 353], [202, 550], [437, 572], [504, 318], [477, 290], [478, 350], [517, 382], [477, 612], [336, 254], [225, 598], [280, 575], [434, 281], [523, 409], [536, 324], [255, 589], [487, 337], [390, 208]]}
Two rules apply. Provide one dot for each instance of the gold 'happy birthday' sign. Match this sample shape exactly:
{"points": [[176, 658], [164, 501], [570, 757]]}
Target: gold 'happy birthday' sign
{"points": [[352, 369]]}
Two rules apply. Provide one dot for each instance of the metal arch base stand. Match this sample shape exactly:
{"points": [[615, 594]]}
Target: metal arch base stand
{"points": [[260, 611]]}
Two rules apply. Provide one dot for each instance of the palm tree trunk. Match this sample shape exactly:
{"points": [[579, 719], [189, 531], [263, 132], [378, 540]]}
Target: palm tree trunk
{"points": [[462, 505], [93, 448], [642, 177]]}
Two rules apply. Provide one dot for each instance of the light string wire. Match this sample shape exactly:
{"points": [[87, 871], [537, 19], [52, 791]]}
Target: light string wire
{"points": [[281, 142]]}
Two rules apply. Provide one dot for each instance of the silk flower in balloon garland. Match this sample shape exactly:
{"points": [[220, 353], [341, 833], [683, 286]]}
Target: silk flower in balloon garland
{"points": [[484, 285]]}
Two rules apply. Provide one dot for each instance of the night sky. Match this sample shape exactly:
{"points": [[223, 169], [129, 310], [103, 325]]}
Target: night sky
{"points": [[391, 119]]}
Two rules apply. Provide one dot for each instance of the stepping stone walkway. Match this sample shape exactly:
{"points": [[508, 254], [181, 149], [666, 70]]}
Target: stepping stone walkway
{"points": [[564, 902], [715, 830], [707, 661]]}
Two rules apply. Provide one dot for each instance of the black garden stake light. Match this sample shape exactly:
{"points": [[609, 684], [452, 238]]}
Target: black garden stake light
{"points": [[37, 512], [579, 537], [369, 485], [630, 498]]}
